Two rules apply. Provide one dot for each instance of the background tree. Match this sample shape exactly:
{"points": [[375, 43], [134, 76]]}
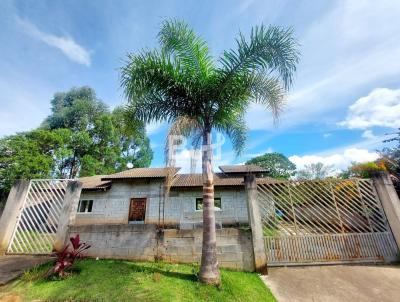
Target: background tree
{"points": [[134, 145], [100, 142], [278, 165], [364, 170], [28, 155], [81, 137], [314, 171], [182, 84]]}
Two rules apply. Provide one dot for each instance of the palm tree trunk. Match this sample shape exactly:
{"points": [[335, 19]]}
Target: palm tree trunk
{"points": [[209, 272]]}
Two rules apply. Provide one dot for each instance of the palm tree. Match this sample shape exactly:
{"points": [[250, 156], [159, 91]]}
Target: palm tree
{"points": [[182, 84]]}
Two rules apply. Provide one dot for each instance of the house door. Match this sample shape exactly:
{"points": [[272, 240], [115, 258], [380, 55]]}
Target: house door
{"points": [[137, 210]]}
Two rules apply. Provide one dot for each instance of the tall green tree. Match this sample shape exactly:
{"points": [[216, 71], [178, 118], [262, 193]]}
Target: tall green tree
{"points": [[277, 164], [99, 142], [181, 83], [81, 137], [134, 145], [76, 109], [29, 155]]}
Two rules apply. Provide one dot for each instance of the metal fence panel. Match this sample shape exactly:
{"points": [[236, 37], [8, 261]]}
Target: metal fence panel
{"points": [[38, 220], [324, 221]]}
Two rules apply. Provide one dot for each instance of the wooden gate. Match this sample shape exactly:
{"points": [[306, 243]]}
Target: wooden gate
{"points": [[324, 221], [38, 219]]}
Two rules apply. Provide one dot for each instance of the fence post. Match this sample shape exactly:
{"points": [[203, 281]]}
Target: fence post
{"points": [[260, 257], [11, 213], [68, 212], [390, 202]]}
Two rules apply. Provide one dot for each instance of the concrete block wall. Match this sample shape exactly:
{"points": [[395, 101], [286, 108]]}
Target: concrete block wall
{"points": [[234, 247], [182, 206], [143, 242], [112, 206], [119, 241]]}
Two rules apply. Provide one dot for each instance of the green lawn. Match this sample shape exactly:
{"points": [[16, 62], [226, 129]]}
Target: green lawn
{"points": [[116, 280]]}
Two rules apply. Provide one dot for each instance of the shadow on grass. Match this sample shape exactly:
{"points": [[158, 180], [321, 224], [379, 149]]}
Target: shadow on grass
{"points": [[165, 272]]}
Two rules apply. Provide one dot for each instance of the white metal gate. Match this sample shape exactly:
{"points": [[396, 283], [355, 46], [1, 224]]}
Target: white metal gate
{"points": [[38, 218], [324, 221]]}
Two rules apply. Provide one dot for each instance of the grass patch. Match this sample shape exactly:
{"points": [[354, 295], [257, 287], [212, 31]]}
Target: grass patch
{"points": [[117, 280]]}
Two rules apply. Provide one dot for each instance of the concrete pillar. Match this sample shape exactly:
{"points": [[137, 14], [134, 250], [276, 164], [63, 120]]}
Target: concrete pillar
{"points": [[260, 257], [11, 213], [68, 213], [390, 202]]}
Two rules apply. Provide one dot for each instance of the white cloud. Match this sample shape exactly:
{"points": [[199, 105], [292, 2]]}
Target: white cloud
{"points": [[67, 45], [326, 135], [154, 128], [351, 47], [269, 150], [379, 108], [339, 161], [368, 134], [183, 160]]}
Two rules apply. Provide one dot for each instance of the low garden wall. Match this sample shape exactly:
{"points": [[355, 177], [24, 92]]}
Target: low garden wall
{"points": [[145, 242]]}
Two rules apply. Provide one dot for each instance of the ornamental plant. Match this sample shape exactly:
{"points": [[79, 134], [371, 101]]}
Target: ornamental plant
{"points": [[366, 170], [66, 258]]}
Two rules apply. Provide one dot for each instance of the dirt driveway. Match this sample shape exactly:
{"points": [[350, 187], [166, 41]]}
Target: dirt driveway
{"points": [[335, 283]]}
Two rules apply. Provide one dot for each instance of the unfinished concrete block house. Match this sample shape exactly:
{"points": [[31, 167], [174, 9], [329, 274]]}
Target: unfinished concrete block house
{"points": [[156, 214], [163, 196]]}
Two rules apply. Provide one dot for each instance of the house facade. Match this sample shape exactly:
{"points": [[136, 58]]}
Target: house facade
{"points": [[163, 196]]}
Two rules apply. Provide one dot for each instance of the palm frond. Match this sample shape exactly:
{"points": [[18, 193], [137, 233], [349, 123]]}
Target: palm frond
{"points": [[189, 49], [269, 49], [181, 84], [269, 92], [235, 128], [156, 88]]}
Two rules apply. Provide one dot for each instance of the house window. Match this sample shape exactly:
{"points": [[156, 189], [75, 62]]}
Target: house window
{"points": [[199, 204], [85, 206]]}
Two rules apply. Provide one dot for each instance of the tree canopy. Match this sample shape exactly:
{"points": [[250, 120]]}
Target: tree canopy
{"points": [[278, 165], [81, 137], [314, 171]]}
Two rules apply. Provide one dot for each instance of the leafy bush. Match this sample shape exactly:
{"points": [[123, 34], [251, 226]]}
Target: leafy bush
{"points": [[67, 256], [366, 170]]}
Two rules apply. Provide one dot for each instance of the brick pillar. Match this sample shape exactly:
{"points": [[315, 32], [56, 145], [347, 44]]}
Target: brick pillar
{"points": [[390, 202], [11, 213], [260, 257], [68, 213]]}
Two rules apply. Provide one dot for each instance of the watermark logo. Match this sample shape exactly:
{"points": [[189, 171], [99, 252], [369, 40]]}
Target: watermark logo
{"points": [[183, 153]]}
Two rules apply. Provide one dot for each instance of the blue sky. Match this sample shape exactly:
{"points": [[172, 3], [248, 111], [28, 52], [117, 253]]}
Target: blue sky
{"points": [[346, 94]]}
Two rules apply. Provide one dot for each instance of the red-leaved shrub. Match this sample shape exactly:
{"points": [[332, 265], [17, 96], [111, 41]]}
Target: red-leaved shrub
{"points": [[65, 258]]}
